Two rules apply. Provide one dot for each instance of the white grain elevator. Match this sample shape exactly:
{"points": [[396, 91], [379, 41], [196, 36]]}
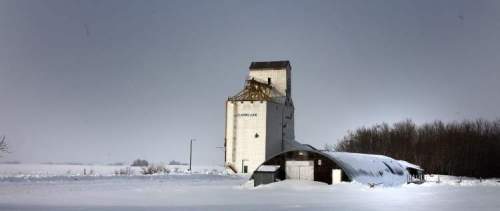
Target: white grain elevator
{"points": [[260, 118]]}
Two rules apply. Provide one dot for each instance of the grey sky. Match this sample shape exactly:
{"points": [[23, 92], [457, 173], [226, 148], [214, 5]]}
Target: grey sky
{"points": [[104, 81]]}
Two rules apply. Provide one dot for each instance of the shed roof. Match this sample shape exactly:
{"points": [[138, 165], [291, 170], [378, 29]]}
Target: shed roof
{"points": [[409, 165], [270, 65], [268, 168]]}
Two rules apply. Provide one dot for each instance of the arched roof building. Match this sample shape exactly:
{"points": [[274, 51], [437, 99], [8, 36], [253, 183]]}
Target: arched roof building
{"points": [[308, 163]]}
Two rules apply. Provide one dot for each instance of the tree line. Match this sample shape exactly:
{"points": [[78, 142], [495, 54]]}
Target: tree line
{"points": [[466, 148]]}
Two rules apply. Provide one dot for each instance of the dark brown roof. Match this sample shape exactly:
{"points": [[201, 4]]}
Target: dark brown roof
{"points": [[270, 65]]}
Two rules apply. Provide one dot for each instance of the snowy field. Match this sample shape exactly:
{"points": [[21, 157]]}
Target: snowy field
{"points": [[63, 187], [59, 170]]}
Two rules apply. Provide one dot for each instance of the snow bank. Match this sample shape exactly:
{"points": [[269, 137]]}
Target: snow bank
{"points": [[225, 192], [432, 180]]}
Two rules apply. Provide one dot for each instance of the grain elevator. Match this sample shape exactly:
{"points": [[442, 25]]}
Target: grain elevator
{"points": [[260, 118]]}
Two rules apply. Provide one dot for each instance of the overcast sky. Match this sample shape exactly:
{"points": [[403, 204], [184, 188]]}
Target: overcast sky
{"points": [[106, 81]]}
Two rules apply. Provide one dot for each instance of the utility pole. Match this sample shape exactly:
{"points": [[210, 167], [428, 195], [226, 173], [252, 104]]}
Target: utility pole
{"points": [[191, 153]]}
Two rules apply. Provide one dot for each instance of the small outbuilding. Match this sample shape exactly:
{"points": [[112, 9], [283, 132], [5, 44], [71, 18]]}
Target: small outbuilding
{"points": [[415, 173], [308, 163], [266, 174]]}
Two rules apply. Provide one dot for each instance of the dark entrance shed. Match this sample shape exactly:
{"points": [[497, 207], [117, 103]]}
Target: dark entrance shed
{"points": [[320, 165], [266, 174]]}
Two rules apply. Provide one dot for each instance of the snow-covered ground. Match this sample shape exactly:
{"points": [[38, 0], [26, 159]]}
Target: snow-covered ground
{"points": [[51, 170], [53, 188]]}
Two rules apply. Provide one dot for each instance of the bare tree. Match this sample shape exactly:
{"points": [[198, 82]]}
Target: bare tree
{"points": [[328, 147], [3, 145]]}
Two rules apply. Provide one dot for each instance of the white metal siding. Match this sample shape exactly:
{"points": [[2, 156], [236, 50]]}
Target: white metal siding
{"points": [[244, 120], [274, 129]]}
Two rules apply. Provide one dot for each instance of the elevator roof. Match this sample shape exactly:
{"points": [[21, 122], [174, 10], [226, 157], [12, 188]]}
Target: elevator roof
{"points": [[270, 65]]}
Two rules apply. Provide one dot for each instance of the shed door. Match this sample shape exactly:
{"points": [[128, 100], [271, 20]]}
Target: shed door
{"points": [[300, 170], [336, 176]]}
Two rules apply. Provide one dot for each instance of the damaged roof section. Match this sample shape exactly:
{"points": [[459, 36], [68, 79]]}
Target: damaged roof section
{"points": [[254, 91]]}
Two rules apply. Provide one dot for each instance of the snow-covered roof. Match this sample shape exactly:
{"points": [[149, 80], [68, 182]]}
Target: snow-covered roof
{"points": [[268, 168], [370, 169], [409, 165]]}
